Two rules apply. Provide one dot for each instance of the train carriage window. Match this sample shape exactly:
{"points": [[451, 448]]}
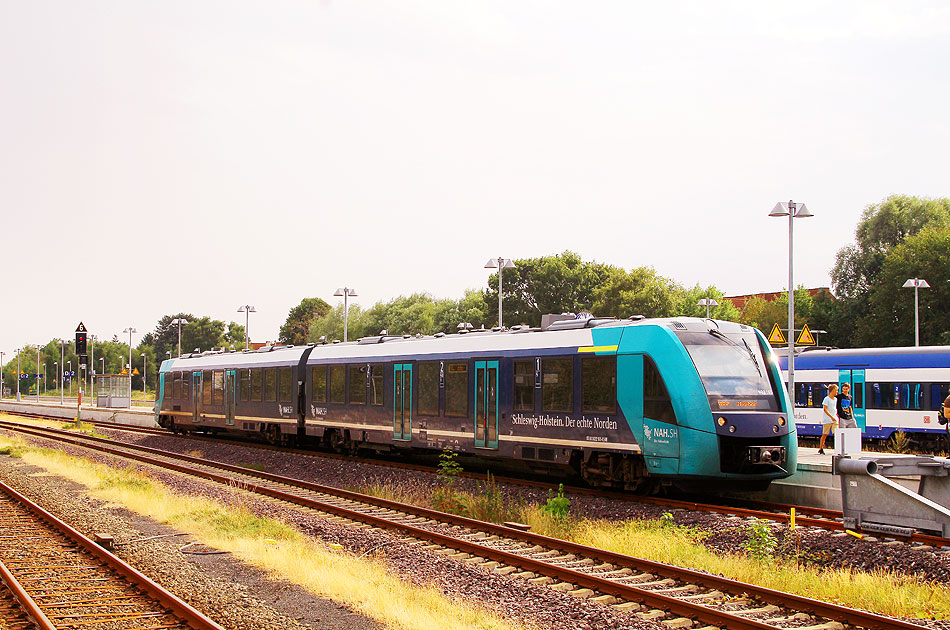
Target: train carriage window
{"points": [[257, 384], [524, 386], [285, 383], [456, 389], [217, 392], [427, 398], [557, 385], [656, 399], [245, 384], [176, 386], [938, 393], [270, 384], [338, 384], [376, 388], [206, 388], [319, 387], [599, 385], [357, 384], [186, 385], [857, 395]]}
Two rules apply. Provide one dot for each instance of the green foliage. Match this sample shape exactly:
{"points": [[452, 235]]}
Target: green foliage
{"points": [[667, 520], [444, 497], [487, 503], [761, 542], [864, 274], [300, 319], [558, 506], [899, 442]]}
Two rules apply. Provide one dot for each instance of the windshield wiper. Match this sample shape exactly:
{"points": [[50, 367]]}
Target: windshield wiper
{"points": [[715, 333]]}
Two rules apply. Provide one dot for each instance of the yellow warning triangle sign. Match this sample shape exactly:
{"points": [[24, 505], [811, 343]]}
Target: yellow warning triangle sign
{"points": [[135, 371], [806, 338], [776, 337], [124, 371]]}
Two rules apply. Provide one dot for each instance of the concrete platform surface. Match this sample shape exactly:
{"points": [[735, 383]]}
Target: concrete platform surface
{"points": [[139, 416]]}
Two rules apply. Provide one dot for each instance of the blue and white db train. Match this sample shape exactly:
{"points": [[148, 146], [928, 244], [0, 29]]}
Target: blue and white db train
{"points": [[631, 403], [894, 389]]}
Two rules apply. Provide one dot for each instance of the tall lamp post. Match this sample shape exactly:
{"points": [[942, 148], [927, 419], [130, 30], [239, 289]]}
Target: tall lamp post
{"points": [[62, 364], [1, 374], [37, 373], [917, 283], [707, 302], [18, 374], [91, 372], [499, 264], [70, 363], [180, 321], [248, 309], [346, 292], [792, 210], [130, 330]]}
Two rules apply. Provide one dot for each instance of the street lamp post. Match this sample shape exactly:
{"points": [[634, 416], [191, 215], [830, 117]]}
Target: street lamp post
{"points": [[130, 330], [247, 309], [500, 264], [707, 302], [917, 283], [56, 369], [144, 368], [180, 321], [1, 374], [91, 372], [792, 210], [37, 373], [346, 292], [62, 364], [70, 364], [18, 374]]}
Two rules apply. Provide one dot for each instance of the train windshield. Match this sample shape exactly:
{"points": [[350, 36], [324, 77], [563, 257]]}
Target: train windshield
{"points": [[733, 370]]}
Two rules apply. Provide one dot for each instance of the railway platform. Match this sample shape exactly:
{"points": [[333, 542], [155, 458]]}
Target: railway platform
{"points": [[136, 415]]}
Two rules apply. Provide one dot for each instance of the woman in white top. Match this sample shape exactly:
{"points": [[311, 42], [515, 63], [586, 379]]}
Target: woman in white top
{"points": [[829, 407]]}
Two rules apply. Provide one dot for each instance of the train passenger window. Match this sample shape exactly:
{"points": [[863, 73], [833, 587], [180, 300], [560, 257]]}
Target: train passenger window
{"points": [[938, 393], [257, 384], [186, 385], [456, 389], [857, 395], [357, 384], [217, 393], [176, 386], [376, 388], [244, 376], [656, 398], [524, 385], [319, 386], [285, 382], [206, 388], [338, 384], [270, 384], [599, 385], [557, 385], [427, 374], [427, 398]]}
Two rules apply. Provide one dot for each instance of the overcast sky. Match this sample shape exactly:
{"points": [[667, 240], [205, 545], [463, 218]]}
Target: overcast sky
{"points": [[158, 157]]}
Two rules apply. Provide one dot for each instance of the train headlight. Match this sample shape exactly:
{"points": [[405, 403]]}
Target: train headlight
{"points": [[781, 421], [774, 428], [732, 428], [721, 422]]}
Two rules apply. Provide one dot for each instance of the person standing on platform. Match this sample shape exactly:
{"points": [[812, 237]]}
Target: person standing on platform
{"points": [[829, 408], [845, 408]]}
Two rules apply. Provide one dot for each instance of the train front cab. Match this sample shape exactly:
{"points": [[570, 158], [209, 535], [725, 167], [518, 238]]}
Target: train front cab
{"points": [[670, 414]]}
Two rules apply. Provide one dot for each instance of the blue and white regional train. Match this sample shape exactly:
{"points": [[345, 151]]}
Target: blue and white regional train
{"points": [[627, 403], [892, 388]]}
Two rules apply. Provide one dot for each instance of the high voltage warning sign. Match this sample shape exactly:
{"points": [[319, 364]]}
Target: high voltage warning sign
{"points": [[806, 338], [776, 337]]}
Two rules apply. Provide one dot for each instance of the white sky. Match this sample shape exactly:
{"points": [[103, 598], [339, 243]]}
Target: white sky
{"points": [[158, 157]]}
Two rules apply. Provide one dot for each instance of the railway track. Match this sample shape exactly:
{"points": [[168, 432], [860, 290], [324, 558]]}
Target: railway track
{"points": [[676, 596], [56, 578]]}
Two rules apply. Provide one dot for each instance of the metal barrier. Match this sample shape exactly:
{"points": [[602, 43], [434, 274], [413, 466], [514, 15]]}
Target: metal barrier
{"points": [[874, 502]]}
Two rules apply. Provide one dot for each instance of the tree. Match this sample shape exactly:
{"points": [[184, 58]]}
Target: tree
{"points": [[687, 303], [550, 284], [300, 319], [890, 319], [857, 268], [640, 291]]}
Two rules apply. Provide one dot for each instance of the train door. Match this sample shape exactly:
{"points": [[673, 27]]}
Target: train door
{"points": [[230, 395], [196, 396], [402, 401], [856, 379], [486, 404]]}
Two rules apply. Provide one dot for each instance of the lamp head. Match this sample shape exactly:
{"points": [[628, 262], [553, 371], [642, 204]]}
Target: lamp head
{"points": [[919, 283]]}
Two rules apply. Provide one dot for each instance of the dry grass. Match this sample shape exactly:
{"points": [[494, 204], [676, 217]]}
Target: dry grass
{"points": [[361, 583]]}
